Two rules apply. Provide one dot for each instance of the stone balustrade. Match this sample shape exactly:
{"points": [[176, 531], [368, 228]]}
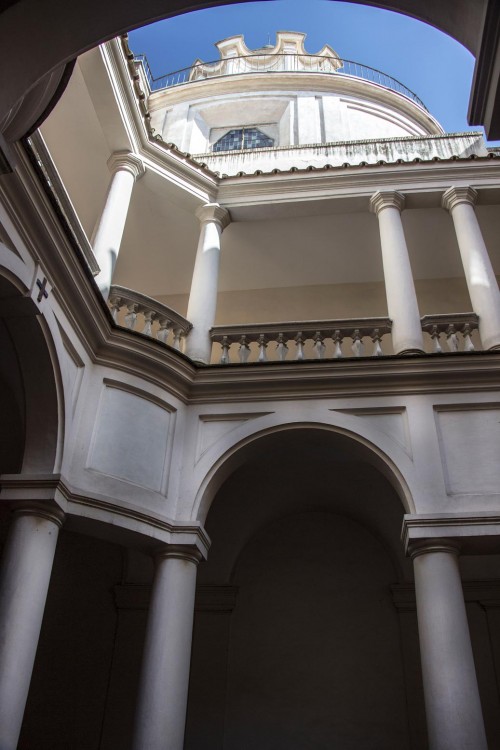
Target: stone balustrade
{"points": [[455, 332], [138, 312], [320, 339], [293, 341]]}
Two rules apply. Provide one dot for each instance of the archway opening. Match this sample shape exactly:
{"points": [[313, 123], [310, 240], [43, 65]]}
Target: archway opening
{"points": [[33, 81], [28, 400], [297, 639]]}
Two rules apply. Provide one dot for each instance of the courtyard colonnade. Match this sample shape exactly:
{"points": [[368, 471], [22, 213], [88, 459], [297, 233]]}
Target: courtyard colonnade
{"points": [[400, 291]]}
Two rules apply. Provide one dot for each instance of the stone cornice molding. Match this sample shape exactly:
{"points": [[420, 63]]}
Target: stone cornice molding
{"points": [[472, 533], [456, 195], [51, 496], [125, 161], [185, 172], [360, 181], [213, 212], [196, 178], [387, 199]]}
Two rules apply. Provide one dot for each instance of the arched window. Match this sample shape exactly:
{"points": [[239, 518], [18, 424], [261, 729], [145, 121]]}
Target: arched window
{"points": [[241, 138]]}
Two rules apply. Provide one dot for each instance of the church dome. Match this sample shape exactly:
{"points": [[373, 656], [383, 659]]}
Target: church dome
{"points": [[281, 97]]}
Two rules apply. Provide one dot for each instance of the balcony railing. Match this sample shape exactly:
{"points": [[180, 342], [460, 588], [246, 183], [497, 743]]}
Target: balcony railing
{"points": [[290, 341], [320, 339], [138, 312], [275, 63], [457, 331], [336, 339]]}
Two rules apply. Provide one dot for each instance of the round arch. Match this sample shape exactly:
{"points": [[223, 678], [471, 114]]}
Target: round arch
{"points": [[391, 463], [304, 555], [33, 82], [28, 386]]}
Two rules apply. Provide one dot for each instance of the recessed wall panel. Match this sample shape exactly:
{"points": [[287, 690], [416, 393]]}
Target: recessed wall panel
{"points": [[131, 438], [470, 449]]}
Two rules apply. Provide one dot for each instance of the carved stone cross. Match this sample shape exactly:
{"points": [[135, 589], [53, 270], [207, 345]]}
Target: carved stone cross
{"points": [[43, 292]]}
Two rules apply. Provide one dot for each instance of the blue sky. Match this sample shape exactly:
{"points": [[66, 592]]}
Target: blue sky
{"points": [[435, 66]]}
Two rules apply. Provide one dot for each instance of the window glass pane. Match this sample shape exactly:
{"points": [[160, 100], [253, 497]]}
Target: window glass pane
{"points": [[243, 138], [230, 141], [255, 138]]}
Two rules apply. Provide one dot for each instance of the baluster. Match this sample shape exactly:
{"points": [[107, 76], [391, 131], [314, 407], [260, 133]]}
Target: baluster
{"points": [[452, 338], [319, 346], [262, 348], [466, 333], [115, 303], [376, 338], [131, 316], [149, 316], [164, 329], [244, 350], [281, 347], [357, 343], [436, 345], [300, 346], [225, 344], [177, 342], [337, 340]]}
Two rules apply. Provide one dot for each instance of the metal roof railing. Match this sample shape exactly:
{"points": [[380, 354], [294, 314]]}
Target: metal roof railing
{"points": [[275, 63]]}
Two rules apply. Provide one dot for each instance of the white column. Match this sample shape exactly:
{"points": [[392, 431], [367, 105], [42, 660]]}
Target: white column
{"points": [[479, 274], [453, 707], [163, 689], [399, 287], [24, 581], [126, 169], [204, 285]]}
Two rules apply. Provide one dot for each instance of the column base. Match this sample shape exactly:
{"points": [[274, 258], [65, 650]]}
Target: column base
{"points": [[410, 351]]}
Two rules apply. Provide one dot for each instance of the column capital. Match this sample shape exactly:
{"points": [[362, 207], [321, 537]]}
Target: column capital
{"points": [[213, 212], [123, 160], [187, 552], [433, 545], [456, 195], [387, 199], [47, 511]]}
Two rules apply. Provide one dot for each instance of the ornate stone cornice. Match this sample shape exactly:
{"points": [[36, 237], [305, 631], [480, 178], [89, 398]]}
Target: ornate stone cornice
{"points": [[456, 195], [386, 199], [213, 212], [123, 160]]}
